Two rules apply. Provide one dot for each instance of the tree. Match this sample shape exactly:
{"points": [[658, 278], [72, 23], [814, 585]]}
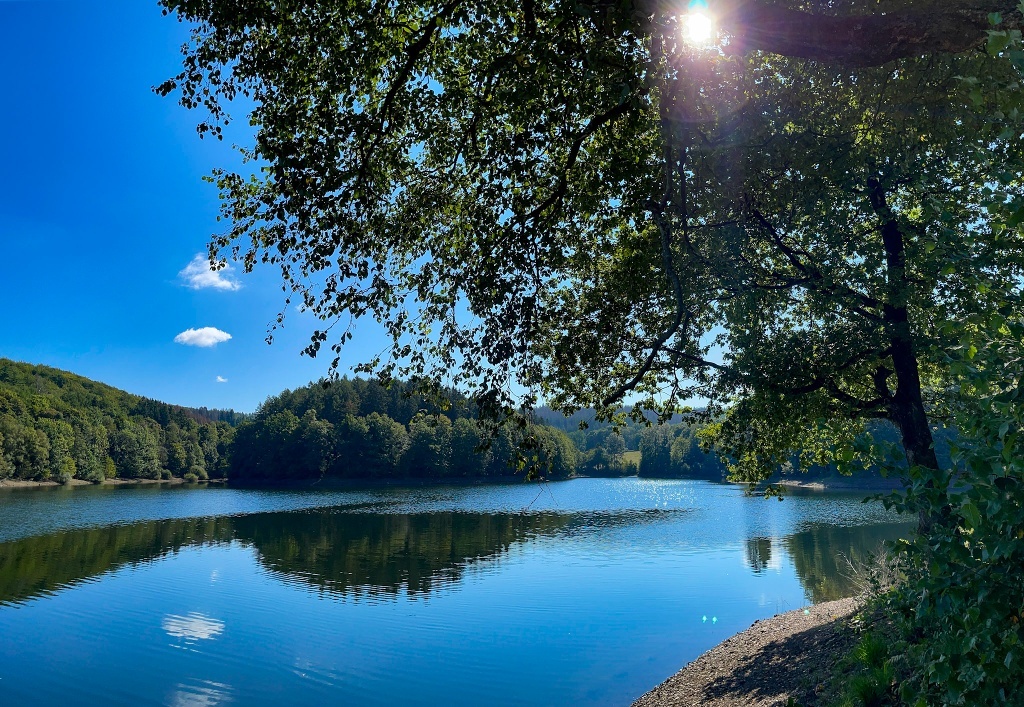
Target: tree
{"points": [[135, 452], [429, 453], [468, 459], [387, 442], [655, 451], [581, 202]]}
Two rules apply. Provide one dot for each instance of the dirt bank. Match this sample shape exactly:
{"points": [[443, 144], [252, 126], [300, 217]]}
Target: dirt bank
{"points": [[786, 656]]}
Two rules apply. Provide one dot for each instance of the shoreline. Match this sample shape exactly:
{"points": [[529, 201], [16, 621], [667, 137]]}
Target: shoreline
{"points": [[843, 484], [335, 483], [327, 483], [27, 484], [786, 657]]}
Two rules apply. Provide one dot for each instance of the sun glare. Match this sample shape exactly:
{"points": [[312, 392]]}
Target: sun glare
{"points": [[699, 27]]}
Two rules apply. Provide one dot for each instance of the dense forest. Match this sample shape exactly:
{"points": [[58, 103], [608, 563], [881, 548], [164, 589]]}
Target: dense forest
{"points": [[56, 425], [360, 429], [662, 451], [59, 426]]}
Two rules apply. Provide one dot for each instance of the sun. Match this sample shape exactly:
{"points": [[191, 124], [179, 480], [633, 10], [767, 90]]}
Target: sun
{"points": [[699, 27]]}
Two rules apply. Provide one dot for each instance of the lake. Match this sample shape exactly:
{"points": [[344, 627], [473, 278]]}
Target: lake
{"points": [[588, 591]]}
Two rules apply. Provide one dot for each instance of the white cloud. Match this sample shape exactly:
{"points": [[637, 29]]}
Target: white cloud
{"points": [[222, 379], [199, 276], [206, 337]]}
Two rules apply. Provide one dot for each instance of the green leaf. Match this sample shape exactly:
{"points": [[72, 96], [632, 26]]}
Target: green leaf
{"points": [[971, 514], [997, 42], [1016, 218]]}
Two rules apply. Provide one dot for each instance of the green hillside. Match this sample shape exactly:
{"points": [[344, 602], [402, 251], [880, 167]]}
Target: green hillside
{"points": [[58, 425], [358, 429]]}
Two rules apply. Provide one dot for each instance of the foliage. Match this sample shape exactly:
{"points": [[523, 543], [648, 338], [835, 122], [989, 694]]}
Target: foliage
{"points": [[59, 426], [674, 451], [569, 197], [962, 607], [345, 430], [575, 200]]}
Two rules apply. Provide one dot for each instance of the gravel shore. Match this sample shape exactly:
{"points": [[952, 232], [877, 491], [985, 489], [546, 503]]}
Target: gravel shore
{"points": [[786, 656]]}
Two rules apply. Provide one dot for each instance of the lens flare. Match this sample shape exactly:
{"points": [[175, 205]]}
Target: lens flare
{"points": [[699, 27]]}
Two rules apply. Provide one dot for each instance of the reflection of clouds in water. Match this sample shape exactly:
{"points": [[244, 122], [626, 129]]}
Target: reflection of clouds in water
{"points": [[214, 576], [203, 693], [194, 626]]}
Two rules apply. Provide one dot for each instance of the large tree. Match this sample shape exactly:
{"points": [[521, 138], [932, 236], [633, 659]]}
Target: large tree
{"points": [[568, 196]]}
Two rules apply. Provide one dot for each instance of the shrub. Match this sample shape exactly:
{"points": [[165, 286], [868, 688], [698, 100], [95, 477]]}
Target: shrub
{"points": [[191, 478], [959, 613]]}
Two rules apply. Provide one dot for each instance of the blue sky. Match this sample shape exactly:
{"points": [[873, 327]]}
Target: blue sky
{"points": [[102, 206]]}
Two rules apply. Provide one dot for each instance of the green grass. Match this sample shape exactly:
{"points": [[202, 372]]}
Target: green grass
{"points": [[628, 457]]}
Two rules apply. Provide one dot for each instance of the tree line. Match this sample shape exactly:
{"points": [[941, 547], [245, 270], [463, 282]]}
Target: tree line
{"points": [[362, 429], [58, 426], [669, 450]]}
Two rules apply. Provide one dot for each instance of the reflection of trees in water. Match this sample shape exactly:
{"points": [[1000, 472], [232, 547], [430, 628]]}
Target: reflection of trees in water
{"points": [[341, 553], [46, 563], [366, 554], [759, 554], [818, 551]]}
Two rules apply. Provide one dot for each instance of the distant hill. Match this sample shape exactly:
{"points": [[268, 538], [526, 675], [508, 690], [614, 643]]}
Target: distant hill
{"points": [[58, 425], [360, 429], [588, 417]]}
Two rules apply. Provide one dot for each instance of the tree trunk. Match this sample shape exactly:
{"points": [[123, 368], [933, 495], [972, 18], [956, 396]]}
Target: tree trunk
{"points": [[906, 404]]}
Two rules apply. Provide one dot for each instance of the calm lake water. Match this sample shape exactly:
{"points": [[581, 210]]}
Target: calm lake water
{"points": [[580, 592]]}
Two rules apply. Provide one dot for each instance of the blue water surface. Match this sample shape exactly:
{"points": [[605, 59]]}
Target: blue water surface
{"points": [[588, 591]]}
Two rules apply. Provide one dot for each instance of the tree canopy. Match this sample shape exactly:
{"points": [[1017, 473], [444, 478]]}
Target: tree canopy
{"points": [[55, 425], [568, 196]]}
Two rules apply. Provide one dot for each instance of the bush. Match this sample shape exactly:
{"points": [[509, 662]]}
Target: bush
{"points": [[191, 478], [959, 613], [165, 474]]}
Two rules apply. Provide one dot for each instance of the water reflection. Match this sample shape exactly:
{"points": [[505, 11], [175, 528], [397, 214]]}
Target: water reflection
{"points": [[368, 554], [759, 554], [344, 554], [201, 693], [194, 627], [819, 553], [353, 555], [47, 563]]}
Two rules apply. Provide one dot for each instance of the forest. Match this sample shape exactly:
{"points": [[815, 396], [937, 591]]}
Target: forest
{"points": [[360, 429], [59, 426]]}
